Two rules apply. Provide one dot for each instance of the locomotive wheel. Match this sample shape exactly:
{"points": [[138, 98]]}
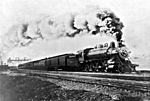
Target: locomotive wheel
{"points": [[120, 69], [96, 69], [91, 67], [103, 67], [86, 68]]}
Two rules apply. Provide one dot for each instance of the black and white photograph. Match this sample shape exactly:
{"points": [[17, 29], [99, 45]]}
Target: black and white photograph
{"points": [[74, 50]]}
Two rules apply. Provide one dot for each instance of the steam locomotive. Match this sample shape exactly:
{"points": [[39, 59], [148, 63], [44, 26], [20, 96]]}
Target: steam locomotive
{"points": [[102, 58]]}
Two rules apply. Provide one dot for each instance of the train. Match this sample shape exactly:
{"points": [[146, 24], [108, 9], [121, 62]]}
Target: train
{"points": [[107, 57]]}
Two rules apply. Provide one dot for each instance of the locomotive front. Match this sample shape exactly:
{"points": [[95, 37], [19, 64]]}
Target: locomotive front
{"points": [[120, 61]]}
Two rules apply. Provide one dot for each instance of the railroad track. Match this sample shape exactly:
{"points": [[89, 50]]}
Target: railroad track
{"points": [[103, 82], [135, 77], [113, 80]]}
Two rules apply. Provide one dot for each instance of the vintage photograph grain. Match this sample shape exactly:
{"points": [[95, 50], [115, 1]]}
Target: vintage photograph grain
{"points": [[74, 50]]}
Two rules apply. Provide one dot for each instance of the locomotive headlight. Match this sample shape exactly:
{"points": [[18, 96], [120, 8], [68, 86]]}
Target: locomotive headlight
{"points": [[124, 52]]}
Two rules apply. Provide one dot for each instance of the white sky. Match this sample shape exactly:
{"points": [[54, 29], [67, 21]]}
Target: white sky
{"points": [[16, 10]]}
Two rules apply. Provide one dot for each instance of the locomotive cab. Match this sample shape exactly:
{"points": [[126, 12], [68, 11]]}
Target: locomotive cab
{"points": [[82, 54]]}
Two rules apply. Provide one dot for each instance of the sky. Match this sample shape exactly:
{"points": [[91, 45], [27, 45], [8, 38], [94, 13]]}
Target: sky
{"points": [[12, 11], [133, 13]]}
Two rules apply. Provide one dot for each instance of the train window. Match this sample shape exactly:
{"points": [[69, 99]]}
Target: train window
{"points": [[80, 54], [42, 62], [73, 56]]}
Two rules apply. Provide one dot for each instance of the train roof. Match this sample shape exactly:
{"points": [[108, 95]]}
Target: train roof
{"points": [[68, 54], [38, 60], [61, 55]]}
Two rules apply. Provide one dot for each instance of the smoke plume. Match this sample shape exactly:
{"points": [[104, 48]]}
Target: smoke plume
{"points": [[92, 21]]}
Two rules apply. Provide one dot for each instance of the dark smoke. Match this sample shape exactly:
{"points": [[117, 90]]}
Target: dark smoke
{"points": [[76, 30], [25, 28], [94, 21]]}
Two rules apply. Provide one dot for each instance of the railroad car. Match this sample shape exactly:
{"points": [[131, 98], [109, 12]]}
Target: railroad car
{"points": [[40, 64], [67, 62]]}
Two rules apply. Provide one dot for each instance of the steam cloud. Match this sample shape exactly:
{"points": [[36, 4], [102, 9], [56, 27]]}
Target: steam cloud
{"points": [[92, 21]]}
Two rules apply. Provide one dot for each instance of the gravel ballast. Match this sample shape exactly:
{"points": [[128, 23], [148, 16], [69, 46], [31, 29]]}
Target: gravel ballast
{"points": [[22, 87]]}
